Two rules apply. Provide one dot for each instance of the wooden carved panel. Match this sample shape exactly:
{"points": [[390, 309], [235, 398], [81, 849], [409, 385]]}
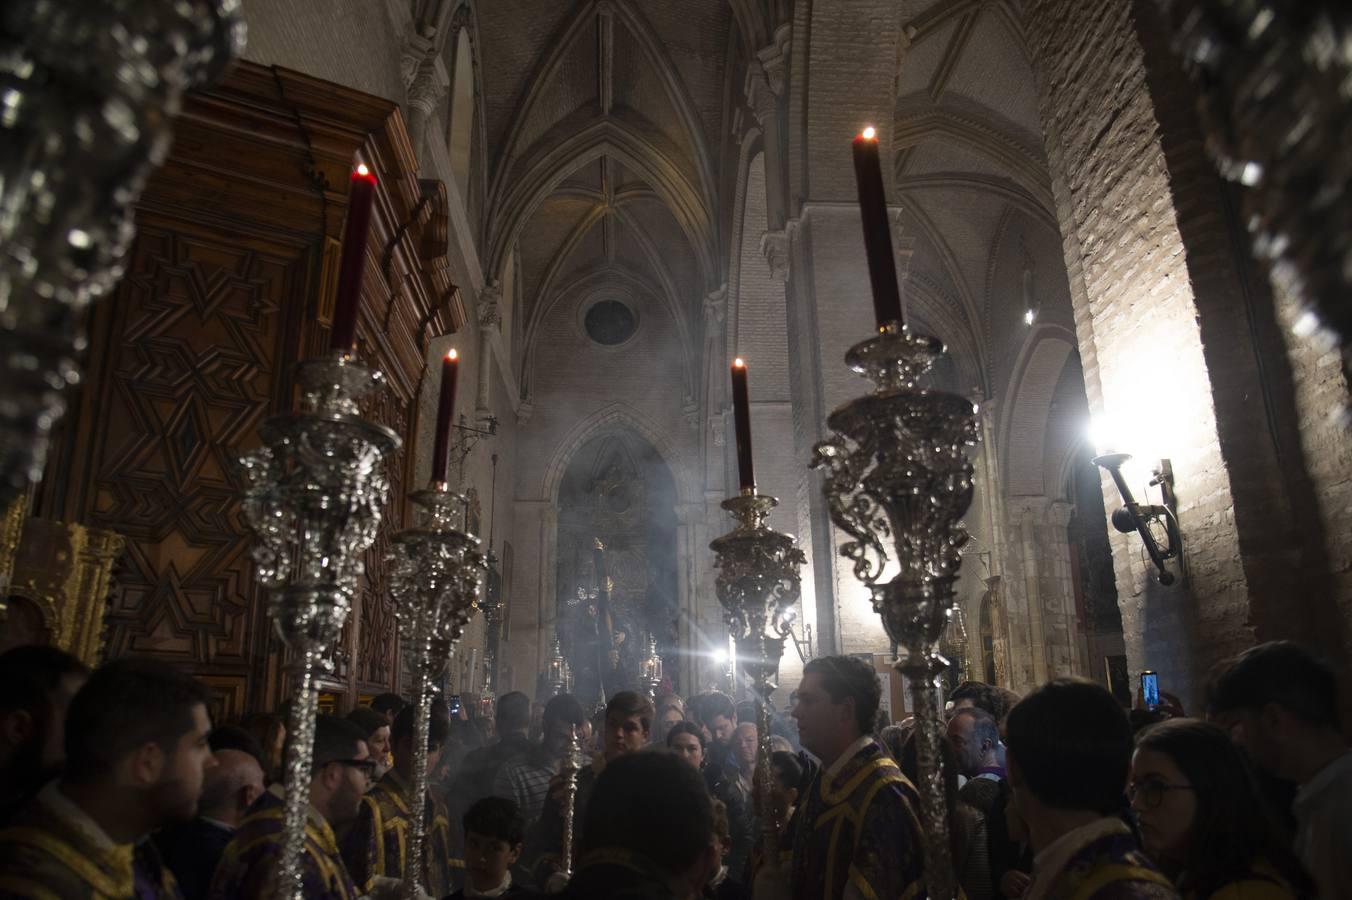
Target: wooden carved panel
{"points": [[377, 650], [228, 286], [192, 346]]}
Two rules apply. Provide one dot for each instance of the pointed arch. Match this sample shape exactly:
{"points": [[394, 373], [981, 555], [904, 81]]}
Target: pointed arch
{"points": [[611, 416], [664, 67], [976, 131], [544, 171], [1027, 407]]}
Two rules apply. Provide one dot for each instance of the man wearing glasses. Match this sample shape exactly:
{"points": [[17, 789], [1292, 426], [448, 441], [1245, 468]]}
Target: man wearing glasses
{"points": [[342, 771]]}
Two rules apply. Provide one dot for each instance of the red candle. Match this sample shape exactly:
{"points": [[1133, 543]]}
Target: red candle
{"points": [[360, 197], [441, 448], [882, 266], [741, 416]]}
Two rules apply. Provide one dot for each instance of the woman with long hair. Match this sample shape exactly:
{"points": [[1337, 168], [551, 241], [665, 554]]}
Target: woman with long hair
{"points": [[1202, 820]]}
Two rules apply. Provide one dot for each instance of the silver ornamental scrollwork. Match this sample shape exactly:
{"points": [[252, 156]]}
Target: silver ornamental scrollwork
{"points": [[437, 575], [898, 481], [1274, 97], [314, 495], [88, 97], [759, 585]]}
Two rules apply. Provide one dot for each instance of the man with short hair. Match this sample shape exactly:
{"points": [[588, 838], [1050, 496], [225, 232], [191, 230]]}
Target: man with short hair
{"points": [[974, 736], [377, 843], [480, 768], [36, 686], [193, 849], [1069, 754], [233, 737], [525, 780], [340, 773], [494, 831], [388, 705], [1280, 703], [997, 701], [136, 756], [720, 717], [858, 833], [628, 723], [647, 832], [745, 742]]}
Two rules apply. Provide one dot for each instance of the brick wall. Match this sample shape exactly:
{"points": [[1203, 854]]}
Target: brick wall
{"points": [[1136, 320], [1182, 349]]}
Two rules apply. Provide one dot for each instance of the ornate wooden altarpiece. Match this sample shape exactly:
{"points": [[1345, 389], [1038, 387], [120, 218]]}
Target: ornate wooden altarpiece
{"points": [[229, 284]]}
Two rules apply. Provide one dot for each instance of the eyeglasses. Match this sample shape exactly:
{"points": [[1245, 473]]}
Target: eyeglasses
{"points": [[368, 766], [1152, 792]]}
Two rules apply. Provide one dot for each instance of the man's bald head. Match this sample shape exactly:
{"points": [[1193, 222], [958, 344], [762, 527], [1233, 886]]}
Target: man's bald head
{"points": [[231, 786]]}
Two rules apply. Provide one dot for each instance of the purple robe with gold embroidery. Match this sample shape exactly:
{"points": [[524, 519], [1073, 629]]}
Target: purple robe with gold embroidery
{"points": [[859, 829], [378, 842], [42, 855], [1110, 867], [248, 868]]}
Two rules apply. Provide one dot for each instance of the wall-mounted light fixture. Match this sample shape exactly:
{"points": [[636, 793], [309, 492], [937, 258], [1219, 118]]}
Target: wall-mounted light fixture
{"points": [[1147, 519]]}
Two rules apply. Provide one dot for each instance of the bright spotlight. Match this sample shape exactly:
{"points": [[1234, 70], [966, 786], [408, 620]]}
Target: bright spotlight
{"points": [[1029, 317], [721, 656]]}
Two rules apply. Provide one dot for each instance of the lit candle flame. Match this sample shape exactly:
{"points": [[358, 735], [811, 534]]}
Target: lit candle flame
{"points": [[362, 170], [869, 133], [451, 354], [739, 363]]}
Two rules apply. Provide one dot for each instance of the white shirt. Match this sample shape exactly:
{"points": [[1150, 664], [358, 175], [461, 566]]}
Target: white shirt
{"points": [[1323, 809], [65, 808], [495, 892], [850, 753], [1049, 862]]}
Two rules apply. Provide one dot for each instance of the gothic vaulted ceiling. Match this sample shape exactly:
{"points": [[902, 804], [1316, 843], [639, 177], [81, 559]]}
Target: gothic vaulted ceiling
{"points": [[602, 124]]}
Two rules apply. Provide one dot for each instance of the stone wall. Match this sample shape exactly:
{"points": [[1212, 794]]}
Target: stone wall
{"points": [[1176, 337]]}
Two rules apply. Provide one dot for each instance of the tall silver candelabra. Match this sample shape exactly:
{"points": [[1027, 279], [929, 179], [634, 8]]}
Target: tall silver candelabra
{"points": [[897, 472], [90, 96], [314, 495], [758, 584], [436, 577]]}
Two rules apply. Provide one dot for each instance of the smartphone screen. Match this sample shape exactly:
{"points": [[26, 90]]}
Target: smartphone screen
{"points": [[1150, 689]]}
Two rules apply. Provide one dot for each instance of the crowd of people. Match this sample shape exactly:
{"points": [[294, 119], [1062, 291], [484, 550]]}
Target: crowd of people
{"points": [[116, 783]]}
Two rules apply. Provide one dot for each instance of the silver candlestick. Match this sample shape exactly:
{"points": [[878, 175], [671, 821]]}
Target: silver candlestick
{"points": [[436, 577], [758, 584], [314, 494], [897, 471], [90, 96], [573, 761], [650, 672]]}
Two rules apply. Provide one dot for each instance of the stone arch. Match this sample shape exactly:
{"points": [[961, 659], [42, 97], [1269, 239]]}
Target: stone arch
{"points": [[541, 173], [460, 130], [615, 415], [1026, 408]]}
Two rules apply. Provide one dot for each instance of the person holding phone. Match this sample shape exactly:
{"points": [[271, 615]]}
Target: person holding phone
{"points": [[1150, 689]]}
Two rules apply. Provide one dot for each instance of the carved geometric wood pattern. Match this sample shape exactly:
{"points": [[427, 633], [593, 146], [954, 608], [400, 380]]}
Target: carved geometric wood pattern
{"points": [[198, 346], [190, 369], [378, 646]]}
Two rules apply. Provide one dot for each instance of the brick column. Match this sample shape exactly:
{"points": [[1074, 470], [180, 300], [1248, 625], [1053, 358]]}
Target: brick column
{"points": [[1176, 332]]}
